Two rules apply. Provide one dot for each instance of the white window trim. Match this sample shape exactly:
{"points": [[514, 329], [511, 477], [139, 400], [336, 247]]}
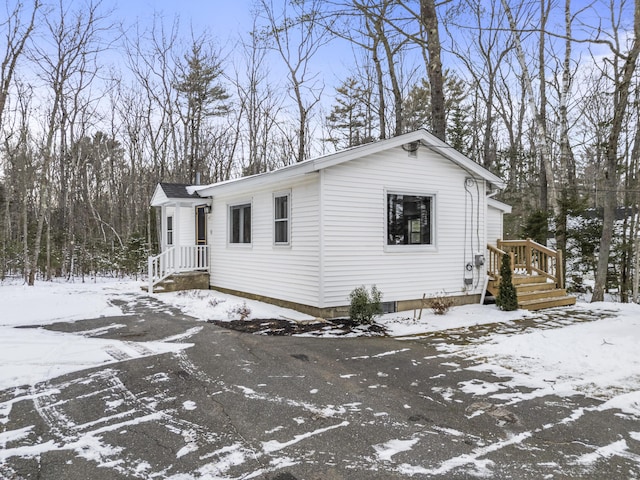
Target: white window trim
{"points": [[432, 247], [229, 226], [284, 193]]}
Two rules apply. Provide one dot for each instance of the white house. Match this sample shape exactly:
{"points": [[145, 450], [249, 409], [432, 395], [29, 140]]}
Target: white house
{"points": [[409, 214]]}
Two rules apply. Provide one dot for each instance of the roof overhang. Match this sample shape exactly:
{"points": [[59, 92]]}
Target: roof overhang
{"points": [[498, 205], [160, 199]]}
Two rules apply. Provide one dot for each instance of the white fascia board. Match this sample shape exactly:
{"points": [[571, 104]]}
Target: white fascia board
{"points": [[255, 181], [498, 205], [426, 139], [159, 198], [434, 143], [190, 202]]}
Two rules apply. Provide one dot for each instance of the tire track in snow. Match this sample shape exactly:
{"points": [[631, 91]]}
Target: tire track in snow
{"points": [[130, 410], [475, 457]]}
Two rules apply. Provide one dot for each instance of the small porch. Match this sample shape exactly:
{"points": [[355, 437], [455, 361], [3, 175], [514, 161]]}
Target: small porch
{"points": [[537, 273], [179, 268]]}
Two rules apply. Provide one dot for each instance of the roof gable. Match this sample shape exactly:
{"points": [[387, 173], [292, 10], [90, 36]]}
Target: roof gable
{"points": [[418, 139], [177, 190], [167, 192]]}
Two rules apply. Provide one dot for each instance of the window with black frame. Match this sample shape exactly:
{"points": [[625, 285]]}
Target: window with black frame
{"points": [[409, 219]]}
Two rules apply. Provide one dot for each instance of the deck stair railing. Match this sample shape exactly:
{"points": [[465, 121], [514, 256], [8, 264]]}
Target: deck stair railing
{"points": [[528, 258], [183, 258]]}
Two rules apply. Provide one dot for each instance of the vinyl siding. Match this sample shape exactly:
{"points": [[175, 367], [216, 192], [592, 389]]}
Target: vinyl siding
{"points": [[494, 225], [187, 225], [183, 225], [355, 250], [288, 272]]}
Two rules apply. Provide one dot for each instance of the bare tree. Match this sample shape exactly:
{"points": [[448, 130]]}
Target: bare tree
{"points": [[297, 38], [622, 68], [538, 113], [259, 106], [66, 70], [152, 58], [18, 30], [483, 52], [429, 20]]}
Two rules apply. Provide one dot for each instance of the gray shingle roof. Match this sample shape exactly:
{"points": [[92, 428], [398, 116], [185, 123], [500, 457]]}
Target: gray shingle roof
{"points": [[177, 190]]}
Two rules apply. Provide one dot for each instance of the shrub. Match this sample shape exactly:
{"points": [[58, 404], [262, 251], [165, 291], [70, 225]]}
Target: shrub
{"points": [[365, 304], [440, 304], [507, 298], [214, 302], [241, 310]]}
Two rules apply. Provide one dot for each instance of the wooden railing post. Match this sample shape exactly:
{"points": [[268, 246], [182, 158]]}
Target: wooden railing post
{"points": [[150, 273], [559, 270], [528, 252]]}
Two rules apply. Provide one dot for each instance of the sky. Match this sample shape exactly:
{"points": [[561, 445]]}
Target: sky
{"points": [[225, 19], [227, 23]]}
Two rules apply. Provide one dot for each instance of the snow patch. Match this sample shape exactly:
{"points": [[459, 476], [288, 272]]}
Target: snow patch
{"points": [[274, 445], [388, 449]]}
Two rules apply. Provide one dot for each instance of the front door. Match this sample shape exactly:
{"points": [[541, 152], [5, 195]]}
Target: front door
{"points": [[201, 235], [201, 225]]}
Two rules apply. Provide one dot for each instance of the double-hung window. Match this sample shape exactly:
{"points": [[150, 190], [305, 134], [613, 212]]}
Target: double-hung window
{"points": [[170, 230], [409, 219], [240, 223], [281, 213]]}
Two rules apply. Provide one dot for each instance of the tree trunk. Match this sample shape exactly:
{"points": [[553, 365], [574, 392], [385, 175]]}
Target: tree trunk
{"points": [[542, 146], [434, 69], [620, 104], [16, 41], [380, 83]]}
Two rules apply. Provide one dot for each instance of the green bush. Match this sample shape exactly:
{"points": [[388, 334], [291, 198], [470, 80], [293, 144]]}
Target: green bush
{"points": [[365, 304], [507, 298]]}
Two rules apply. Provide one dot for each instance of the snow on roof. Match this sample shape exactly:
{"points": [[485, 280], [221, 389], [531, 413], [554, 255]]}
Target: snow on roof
{"points": [[177, 190]]}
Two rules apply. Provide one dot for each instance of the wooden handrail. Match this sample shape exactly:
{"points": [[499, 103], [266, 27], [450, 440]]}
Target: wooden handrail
{"points": [[528, 241], [531, 258], [184, 258]]}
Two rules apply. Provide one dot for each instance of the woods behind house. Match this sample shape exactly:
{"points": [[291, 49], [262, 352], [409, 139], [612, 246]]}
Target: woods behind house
{"points": [[94, 111]]}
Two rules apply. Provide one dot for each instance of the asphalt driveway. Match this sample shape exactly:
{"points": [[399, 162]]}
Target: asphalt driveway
{"points": [[236, 405]]}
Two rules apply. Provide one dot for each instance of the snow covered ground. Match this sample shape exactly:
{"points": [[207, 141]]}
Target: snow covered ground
{"points": [[590, 349], [599, 358], [29, 355]]}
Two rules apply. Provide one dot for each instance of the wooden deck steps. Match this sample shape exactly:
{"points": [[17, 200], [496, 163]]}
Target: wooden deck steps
{"points": [[534, 293]]}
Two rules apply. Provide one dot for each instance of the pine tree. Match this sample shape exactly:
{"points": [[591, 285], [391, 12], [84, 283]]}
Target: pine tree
{"points": [[202, 95], [348, 121], [507, 298]]}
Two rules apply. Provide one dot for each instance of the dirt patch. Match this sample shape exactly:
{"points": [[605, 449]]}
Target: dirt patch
{"points": [[281, 327]]}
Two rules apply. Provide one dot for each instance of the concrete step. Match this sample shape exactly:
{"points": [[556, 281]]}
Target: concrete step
{"points": [[182, 281]]}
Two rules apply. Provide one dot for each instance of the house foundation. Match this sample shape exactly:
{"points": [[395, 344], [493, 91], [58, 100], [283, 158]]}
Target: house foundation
{"points": [[343, 311]]}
